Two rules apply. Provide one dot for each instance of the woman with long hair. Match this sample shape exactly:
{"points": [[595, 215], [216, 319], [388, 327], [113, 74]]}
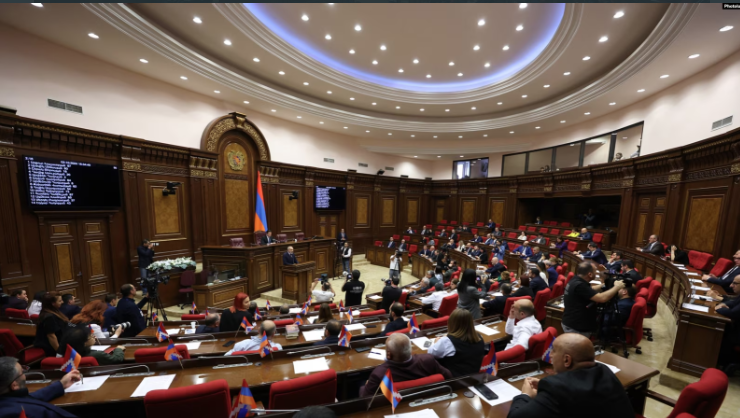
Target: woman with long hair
{"points": [[81, 339], [325, 314], [560, 245], [461, 351], [678, 256], [92, 315], [468, 295], [35, 307], [231, 318], [52, 324], [524, 289]]}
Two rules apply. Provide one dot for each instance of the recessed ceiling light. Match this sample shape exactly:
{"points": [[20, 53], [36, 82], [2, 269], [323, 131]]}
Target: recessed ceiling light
{"points": [[304, 18], [459, 74], [460, 136], [367, 131], [618, 14], [390, 133], [415, 156], [305, 83], [273, 110], [299, 117], [92, 35], [536, 127], [586, 58], [612, 103], [413, 136], [358, 28], [587, 113], [246, 102], [726, 28], [182, 77], [227, 42], [375, 62], [603, 39], [429, 76], [398, 107], [664, 76], [321, 122], [196, 19], [522, 5], [374, 103], [216, 91], [345, 127], [416, 61], [477, 47], [255, 59], [546, 86], [37, 4], [382, 47], [524, 96], [447, 110], [511, 132], [400, 70], [452, 63], [624, 137], [281, 72], [421, 110], [520, 27], [506, 47], [641, 90], [144, 61], [485, 136], [435, 136], [439, 156], [351, 51], [462, 156], [562, 121], [692, 56], [327, 37], [566, 73], [472, 108], [352, 98], [328, 92], [500, 103], [488, 64], [481, 22]]}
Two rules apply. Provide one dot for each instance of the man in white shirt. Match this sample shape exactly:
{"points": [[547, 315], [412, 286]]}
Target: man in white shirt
{"points": [[435, 299], [325, 294], [395, 266], [251, 344], [346, 256], [528, 325]]}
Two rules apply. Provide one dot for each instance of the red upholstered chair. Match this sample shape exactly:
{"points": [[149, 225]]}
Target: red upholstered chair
{"points": [[537, 343], [17, 313], [209, 399], [643, 293], [557, 290], [403, 298], [55, 363], [543, 230], [440, 227], [522, 227], [474, 231], [413, 248], [34, 317], [258, 236], [453, 222], [564, 223], [531, 228], [284, 322], [443, 221], [511, 235], [567, 279], [187, 280], [540, 299], [315, 389], [555, 231], [10, 346], [449, 303], [654, 290], [318, 306], [721, 267], [547, 243], [598, 238], [450, 228], [567, 232], [494, 286], [408, 384], [701, 399], [559, 269], [466, 223], [572, 245], [633, 328], [373, 313], [565, 266], [434, 323], [510, 302], [699, 260], [407, 238], [281, 237], [515, 354], [299, 236], [396, 237], [191, 317], [531, 237], [644, 283], [237, 242], [378, 243], [512, 245], [429, 226], [153, 355], [479, 224], [202, 277]]}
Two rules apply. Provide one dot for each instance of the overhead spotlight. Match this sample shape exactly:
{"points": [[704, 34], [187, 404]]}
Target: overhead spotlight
{"points": [[416, 61], [281, 72], [566, 73], [452, 63], [726, 28], [367, 131], [586, 58], [227, 42], [400, 70], [144, 61], [92, 35], [246, 102], [429, 76], [328, 92], [522, 5], [500, 103], [488, 64], [380, 172], [618, 14], [382, 48], [305, 83], [587, 113], [421, 110], [216, 91], [196, 19], [524, 96], [182, 77], [447, 110], [536, 127], [358, 28], [304, 18], [352, 98], [375, 62], [321, 122], [459, 74], [603, 39], [485, 135], [506, 47], [562, 121], [374, 103], [612, 103], [692, 56], [481, 22], [520, 27], [37, 4], [511, 132], [301, 117], [641, 90], [273, 110], [459, 136], [255, 59], [351, 51], [546, 86], [472, 108], [398, 107], [477, 47], [327, 37], [664, 76]]}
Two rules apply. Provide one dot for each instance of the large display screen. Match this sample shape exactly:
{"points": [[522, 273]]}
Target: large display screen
{"points": [[329, 198], [71, 185]]}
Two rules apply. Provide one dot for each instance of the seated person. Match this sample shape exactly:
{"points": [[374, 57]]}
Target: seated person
{"points": [[435, 299], [536, 256], [331, 333], [109, 317], [496, 268], [678, 256], [489, 239], [325, 294], [435, 255], [268, 327], [729, 308], [81, 339], [475, 252], [574, 234], [424, 284], [497, 232], [654, 247], [403, 365], [425, 251], [284, 309], [69, 306], [425, 231], [482, 256], [462, 247], [92, 316], [490, 224], [552, 273], [391, 244], [585, 235], [449, 246], [594, 253], [726, 279], [391, 293], [522, 236], [540, 239], [254, 308], [16, 400], [496, 305], [538, 221], [442, 233], [210, 324], [522, 324], [524, 289], [614, 263], [462, 350], [410, 230], [536, 282], [580, 386], [629, 273], [559, 245], [396, 317], [403, 246], [614, 321], [231, 317], [453, 268], [454, 236], [524, 250], [477, 238], [325, 314], [18, 299]]}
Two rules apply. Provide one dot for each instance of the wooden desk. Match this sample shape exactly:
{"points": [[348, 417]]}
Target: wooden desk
{"points": [[219, 294], [609, 239], [260, 264], [20, 328], [581, 245], [381, 256]]}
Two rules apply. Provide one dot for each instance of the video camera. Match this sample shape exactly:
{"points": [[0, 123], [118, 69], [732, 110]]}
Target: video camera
{"points": [[324, 278], [152, 281], [612, 277], [124, 325]]}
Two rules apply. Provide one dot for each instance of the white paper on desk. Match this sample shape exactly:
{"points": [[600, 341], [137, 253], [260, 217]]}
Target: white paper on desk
{"points": [[192, 346], [505, 392], [315, 335], [614, 369], [694, 307], [699, 288], [377, 354], [91, 383], [189, 331], [497, 294], [173, 331], [375, 297], [700, 297], [419, 342], [482, 301], [485, 330], [424, 413], [312, 319], [354, 327], [99, 347], [356, 313], [295, 310], [308, 366], [153, 383], [697, 281], [693, 273]]}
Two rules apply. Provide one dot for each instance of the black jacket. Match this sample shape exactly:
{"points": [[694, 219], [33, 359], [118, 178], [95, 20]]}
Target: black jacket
{"points": [[146, 256], [587, 392], [395, 325], [128, 310], [655, 249], [34, 404], [330, 340], [289, 259], [523, 291], [266, 240], [496, 305]]}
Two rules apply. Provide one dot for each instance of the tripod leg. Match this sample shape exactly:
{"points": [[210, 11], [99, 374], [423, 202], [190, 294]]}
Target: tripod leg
{"points": [[159, 303]]}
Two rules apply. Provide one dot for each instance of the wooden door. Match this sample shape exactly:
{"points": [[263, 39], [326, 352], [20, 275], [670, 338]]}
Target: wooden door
{"points": [[66, 269], [439, 205], [650, 217], [94, 258]]}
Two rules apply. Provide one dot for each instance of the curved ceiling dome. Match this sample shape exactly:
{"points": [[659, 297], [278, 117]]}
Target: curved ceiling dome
{"points": [[439, 48]]}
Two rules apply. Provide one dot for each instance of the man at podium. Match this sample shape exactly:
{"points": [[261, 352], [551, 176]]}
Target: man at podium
{"points": [[289, 257]]}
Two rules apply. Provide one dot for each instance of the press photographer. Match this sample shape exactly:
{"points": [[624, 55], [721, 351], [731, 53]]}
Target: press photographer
{"points": [[628, 275], [326, 293], [353, 289], [395, 267], [391, 293], [581, 298], [617, 314], [146, 257]]}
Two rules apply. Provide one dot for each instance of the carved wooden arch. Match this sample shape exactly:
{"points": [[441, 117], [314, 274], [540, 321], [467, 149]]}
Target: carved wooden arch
{"points": [[234, 121]]}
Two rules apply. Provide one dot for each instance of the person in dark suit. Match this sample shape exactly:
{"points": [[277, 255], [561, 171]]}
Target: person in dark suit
{"points": [[653, 247], [524, 289], [726, 279], [615, 262], [536, 256], [397, 322], [477, 238], [267, 238], [491, 225], [341, 236], [425, 251], [69, 307], [403, 246], [109, 316], [560, 245], [483, 256], [496, 305], [289, 257], [536, 282], [425, 232], [540, 240], [16, 400], [331, 333], [410, 231], [585, 235], [18, 299], [580, 386], [496, 268], [210, 324], [594, 254], [128, 310], [730, 308], [552, 273], [391, 244], [455, 236], [146, 258], [442, 233], [538, 221], [524, 250], [435, 256], [497, 232], [629, 273]]}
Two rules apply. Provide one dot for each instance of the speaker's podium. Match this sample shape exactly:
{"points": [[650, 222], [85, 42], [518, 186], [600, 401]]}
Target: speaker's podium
{"points": [[297, 279]]}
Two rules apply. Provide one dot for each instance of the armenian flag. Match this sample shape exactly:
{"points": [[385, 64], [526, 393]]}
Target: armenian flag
{"points": [[386, 386], [245, 323], [195, 308], [23, 413], [207, 312], [264, 345], [341, 305], [71, 360], [298, 320], [162, 334], [413, 325], [171, 353], [257, 316], [349, 315], [260, 215], [267, 306], [490, 364], [547, 355], [155, 317], [304, 311], [344, 337], [244, 403]]}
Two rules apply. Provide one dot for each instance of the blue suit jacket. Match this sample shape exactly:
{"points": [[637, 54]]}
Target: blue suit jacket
{"points": [[524, 251], [537, 284], [109, 317], [391, 244], [289, 259], [34, 404], [552, 276], [128, 311], [496, 270], [726, 279], [597, 255], [330, 340], [587, 236]]}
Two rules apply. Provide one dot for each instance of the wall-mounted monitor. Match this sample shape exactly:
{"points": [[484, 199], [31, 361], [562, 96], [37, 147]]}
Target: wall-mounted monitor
{"points": [[329, 198], [55, 184]]}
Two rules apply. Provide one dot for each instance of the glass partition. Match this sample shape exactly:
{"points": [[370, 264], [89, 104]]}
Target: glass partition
{"points": [[540, 161], [514, 164], [627, 143], [568, 156], [596, 150]]}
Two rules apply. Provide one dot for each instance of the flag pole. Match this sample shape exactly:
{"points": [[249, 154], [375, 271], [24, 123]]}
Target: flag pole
{"points": [[371, 399]]}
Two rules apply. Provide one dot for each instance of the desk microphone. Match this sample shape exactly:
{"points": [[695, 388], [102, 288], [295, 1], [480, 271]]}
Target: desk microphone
{"points": [[194, 336], [310, 349], [525, 375], [98, 372]]}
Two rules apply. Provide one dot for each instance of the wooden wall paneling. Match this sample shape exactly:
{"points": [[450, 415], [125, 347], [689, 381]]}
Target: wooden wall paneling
{"points": [[13, 256], [703, 216], [388, 211], [237, 182], [730, 242], [467, 210], [413, 214], [496, 210], [94, 239]]}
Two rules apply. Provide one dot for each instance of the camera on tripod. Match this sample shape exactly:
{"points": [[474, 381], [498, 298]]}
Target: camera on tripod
{"points": [[612, 277], [151, 282]]}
